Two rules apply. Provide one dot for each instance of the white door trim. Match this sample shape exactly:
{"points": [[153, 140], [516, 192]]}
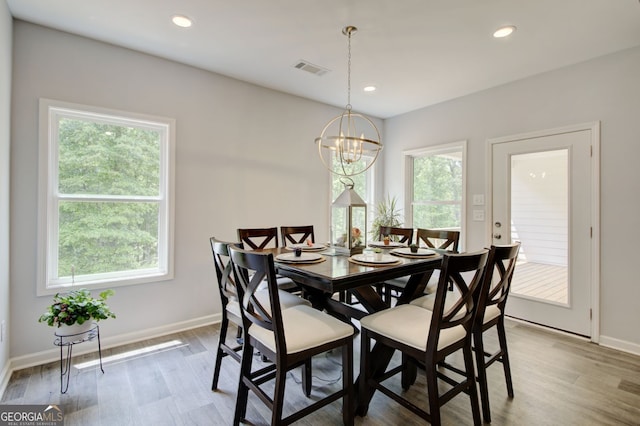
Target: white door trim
{"points": [[594, 127]]}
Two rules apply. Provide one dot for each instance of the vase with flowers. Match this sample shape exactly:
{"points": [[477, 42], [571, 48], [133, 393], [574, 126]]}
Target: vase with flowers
{"points": [[356, 237]]}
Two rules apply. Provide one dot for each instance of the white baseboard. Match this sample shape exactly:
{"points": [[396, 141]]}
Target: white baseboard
{"points": [[549, 329], [51, 355], [605, 341], [621, 345]]}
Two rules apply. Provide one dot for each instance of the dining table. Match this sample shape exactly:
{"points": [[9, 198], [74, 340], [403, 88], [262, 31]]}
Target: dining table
{"points": [[327, 273]]}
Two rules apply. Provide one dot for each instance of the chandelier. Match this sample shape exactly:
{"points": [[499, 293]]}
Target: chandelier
{"points": [[350, 143]]}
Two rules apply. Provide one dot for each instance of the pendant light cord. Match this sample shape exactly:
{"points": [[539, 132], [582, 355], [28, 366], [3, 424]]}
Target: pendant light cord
{"points": [[349, 72]]}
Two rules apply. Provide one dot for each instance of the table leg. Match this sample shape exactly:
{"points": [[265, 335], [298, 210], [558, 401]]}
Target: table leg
{"points": [[415, 287], [380, 357], [409, 372], [317, 298], [369, 298]]}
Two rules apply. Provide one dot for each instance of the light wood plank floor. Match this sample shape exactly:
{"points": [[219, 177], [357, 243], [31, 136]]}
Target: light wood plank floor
{"points": [[541, 281], [558, 380]]}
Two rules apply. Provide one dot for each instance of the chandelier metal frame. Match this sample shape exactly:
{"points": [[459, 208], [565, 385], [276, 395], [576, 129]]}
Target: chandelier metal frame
{"points": [[343, 137]]}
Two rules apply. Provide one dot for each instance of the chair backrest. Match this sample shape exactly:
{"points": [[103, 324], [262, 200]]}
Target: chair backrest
{"points": [[405, 235], [439, 239], [258, 238], [252, 270], [224, 271], [466, 271], [296, 234], [495, 290]]}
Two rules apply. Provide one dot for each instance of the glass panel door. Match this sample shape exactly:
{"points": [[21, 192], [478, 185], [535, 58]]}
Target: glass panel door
{"points": [[540, 221]]}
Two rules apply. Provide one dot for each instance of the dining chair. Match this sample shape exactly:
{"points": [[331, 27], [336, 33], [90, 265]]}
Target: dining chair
{"points": [[491, 301], [300, 234], [426, 338], [431, 238], [284, 337], [296, 234], [262, 238], [258, 238], [401, 235], [231, 307], [439, 239], [491, 305]]}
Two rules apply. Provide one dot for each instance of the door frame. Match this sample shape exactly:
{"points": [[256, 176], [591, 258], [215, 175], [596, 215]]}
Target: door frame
{"points": [[594, 127]]}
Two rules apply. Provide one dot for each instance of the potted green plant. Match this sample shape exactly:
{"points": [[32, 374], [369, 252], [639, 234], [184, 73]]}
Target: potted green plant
{"points": [[77, 310], [377, 253], [387, 214]]}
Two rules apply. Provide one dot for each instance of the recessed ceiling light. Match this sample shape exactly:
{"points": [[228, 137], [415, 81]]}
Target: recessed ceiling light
{"points": [[182, 21], [504, 31], [370, 89]]}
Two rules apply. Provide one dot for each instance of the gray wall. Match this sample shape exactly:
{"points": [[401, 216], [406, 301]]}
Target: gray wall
{"points": [[245, 157], [5, 117], [605, 89], [223, 125]]}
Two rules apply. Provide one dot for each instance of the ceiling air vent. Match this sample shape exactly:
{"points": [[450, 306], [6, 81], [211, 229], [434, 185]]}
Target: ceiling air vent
{"points": [[309, 67]]}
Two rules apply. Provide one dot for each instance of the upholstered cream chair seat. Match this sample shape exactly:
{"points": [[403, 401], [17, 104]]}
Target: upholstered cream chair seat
{"points": [[414, 330], [304, 328], [287, 300]]}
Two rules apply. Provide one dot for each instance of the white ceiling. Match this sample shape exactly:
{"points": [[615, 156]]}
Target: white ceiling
{"points": [[417, 52]]}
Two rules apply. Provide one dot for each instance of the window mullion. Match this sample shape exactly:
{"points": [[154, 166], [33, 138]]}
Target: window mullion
{"points": [[113, 198]]}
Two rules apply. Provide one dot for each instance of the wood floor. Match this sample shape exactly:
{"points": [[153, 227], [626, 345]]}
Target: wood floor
{"points": [[541, 281], [558, 380]]}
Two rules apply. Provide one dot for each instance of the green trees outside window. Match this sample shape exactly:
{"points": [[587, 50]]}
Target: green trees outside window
{"points": [[437, 191], [111, 161]]}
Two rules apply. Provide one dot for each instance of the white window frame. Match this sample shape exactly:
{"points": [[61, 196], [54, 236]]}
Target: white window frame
{"points": [[48, 197], [409, 156]]}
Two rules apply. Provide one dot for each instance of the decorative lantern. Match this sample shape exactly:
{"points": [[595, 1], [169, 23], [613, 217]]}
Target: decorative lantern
{"points": [[349, 222]]}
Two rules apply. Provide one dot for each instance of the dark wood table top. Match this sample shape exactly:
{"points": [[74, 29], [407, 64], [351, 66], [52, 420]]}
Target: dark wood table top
{"points": [[337, 273]]}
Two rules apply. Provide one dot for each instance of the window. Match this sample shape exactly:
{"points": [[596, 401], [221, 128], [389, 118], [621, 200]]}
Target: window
{"points": [[362, 184], [435, 193], [106, 210]]}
